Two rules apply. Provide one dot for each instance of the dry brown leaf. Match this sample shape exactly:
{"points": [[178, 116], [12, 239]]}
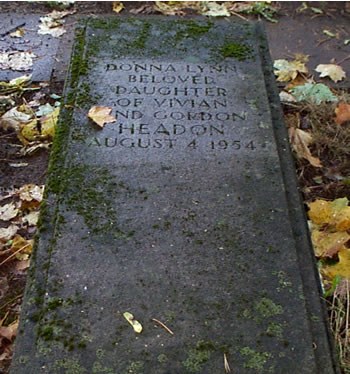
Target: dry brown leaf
{"points": [[288, 71], [21, 266], [8, 211], [342, 113], [101, 115], [118, 6], [9, 332], [7, 233], [335, 72], [300, 140], [30, 192]]}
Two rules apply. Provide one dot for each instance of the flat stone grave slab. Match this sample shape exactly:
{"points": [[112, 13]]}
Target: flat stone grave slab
{"points": [[183, 212]]}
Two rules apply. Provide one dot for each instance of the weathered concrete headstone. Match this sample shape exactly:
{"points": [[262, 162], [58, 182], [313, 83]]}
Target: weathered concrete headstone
{"points": [[184, 211]]}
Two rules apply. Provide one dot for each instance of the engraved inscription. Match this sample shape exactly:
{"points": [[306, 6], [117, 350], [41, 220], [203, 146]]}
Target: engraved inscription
{"points": [[169, 106]]}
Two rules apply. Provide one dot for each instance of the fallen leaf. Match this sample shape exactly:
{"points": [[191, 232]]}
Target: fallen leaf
{"points": [[300, 140], [287, 71], [9, 332], [342, 113], [17, 34], [320, 211], [22, 265], [20, 61], [48, 124], [8, 211], [135, 324], [14, 119], [169, 8], [52, 23], [335, 72], [29, 132], [286, 97], [31, 218], [101, 115], [239, 6], [316, 93], [327, 244], [8, 233], [342, 268], [213, 9], [30, 192], [118, 6]]}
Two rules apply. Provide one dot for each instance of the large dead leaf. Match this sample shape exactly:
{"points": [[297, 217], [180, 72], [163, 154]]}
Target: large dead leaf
{"points": [[328, 244], [52, 23], [48, 123], [30, 192], [9, 332], [300, 141], [335, 213], [101, 115], [8, 211], [335, 72], [320, 212], [14, 119], [7, 233], [342, 268], [287, 71], [19, 61], [342, 113]]}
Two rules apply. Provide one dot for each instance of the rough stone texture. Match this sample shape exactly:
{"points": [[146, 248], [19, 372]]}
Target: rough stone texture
{"points": [[184, 210]]}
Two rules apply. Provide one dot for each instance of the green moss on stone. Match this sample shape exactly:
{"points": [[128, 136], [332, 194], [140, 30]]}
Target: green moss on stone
{"points": [[198, 356], [237, 50], [255, 360], [267, 308]]}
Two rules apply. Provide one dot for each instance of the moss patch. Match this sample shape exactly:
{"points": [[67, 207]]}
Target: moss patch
{"points": [[239, 51], [255, 360]]}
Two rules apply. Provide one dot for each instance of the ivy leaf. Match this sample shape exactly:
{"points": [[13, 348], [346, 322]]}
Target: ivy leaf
{"points": [[101, 115], [312, 92], [335, 72]]}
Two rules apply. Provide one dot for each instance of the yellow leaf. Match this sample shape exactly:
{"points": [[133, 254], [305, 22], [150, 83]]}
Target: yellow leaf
{"points": [[135, 324], [342, 219], [300, 141], [327, 244], [19, 242], [118, 6], [320, 211], [101, 115], [342, 268], [287, 71], [30, 131], [335, 72], [48, 123]]}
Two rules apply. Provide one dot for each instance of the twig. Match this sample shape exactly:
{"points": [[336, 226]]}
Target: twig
{"points": [[11, 301], [14, 254], [227, 366], [162, 324], [344, 59]]}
